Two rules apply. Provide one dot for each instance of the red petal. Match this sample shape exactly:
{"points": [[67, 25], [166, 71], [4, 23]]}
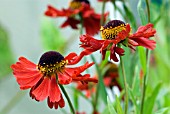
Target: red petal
{"points": [[61, 102], [64, 78], [144, 31], [54, 93], [77, 70], [119, 51], [50, 104], [72, 22], [150, 44], [25, 82], [26, 62], [53, 12], [113, 54], [70, 56], [42, 91]]}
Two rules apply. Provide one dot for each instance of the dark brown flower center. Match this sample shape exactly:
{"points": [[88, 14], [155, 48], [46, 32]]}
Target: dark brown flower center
{"points": [[76, 4], [51, 62], [111, 29]]}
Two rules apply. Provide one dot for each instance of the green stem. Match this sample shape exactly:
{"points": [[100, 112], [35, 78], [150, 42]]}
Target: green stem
{"points": [[125, 85], [102, 16], [12, 102], [148, 9], [81, 22], [144, 82], [99, 85], [147, 68], [68, 99]]}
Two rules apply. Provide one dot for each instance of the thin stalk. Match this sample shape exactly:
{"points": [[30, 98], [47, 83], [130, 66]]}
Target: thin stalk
{"points": [[81, 22], [102, 16], [98, 85], [68, 99], [148, 10], [147, 68], [13, 102], [125, 85], [144, 82]]}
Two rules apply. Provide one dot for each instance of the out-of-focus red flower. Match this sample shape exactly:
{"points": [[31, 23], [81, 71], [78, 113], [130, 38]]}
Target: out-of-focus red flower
{"points": [[43, 79], [116, 32], [77, 12], [111, 76], [89, 88]]}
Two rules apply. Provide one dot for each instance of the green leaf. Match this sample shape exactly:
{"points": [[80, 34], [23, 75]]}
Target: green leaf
{"points": [[51, 36], [162, 110], [118, 106], [132, 97], [111, 107], [141, 12], [129, 66], [100, 86], [76, 99], [6, 56], [142, 55], [130, 16], [150, 100]]}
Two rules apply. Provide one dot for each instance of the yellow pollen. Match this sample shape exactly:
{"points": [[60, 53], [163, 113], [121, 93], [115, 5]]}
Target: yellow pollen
{"points": [[48, 70], [75, 5], [110, 33]]}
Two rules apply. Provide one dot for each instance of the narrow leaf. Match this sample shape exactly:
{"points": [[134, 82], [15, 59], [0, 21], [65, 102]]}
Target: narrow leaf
{"points": [[149, 103], [142, 55], [162, 111], [111, 107], [141, 12], [118, 106]]}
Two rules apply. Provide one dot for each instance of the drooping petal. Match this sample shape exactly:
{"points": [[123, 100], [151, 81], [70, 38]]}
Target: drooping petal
{"points": [[27, 82], [54, 93], [71, 22], [61, 102], [26, 63], [144, 31], [26, 73], [150, 44], [42, 91], [64, 78], [91, 22], [53, 12], [113, 54], [73, 72], [85, 78], [119, 51]]}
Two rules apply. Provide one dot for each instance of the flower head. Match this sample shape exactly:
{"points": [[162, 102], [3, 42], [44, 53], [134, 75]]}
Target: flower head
{"points": [[78, 11], [117, 32], [43, 79]]}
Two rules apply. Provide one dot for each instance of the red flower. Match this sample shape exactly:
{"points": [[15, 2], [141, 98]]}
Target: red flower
{"points": [[82, 9], [111, 76], [115, 32], [43, 79], [89, 88]]}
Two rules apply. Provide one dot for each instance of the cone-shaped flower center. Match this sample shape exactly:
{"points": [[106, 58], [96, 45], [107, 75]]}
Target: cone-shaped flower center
{"points": [[111, 29], [76, 4], [51, 62]]}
